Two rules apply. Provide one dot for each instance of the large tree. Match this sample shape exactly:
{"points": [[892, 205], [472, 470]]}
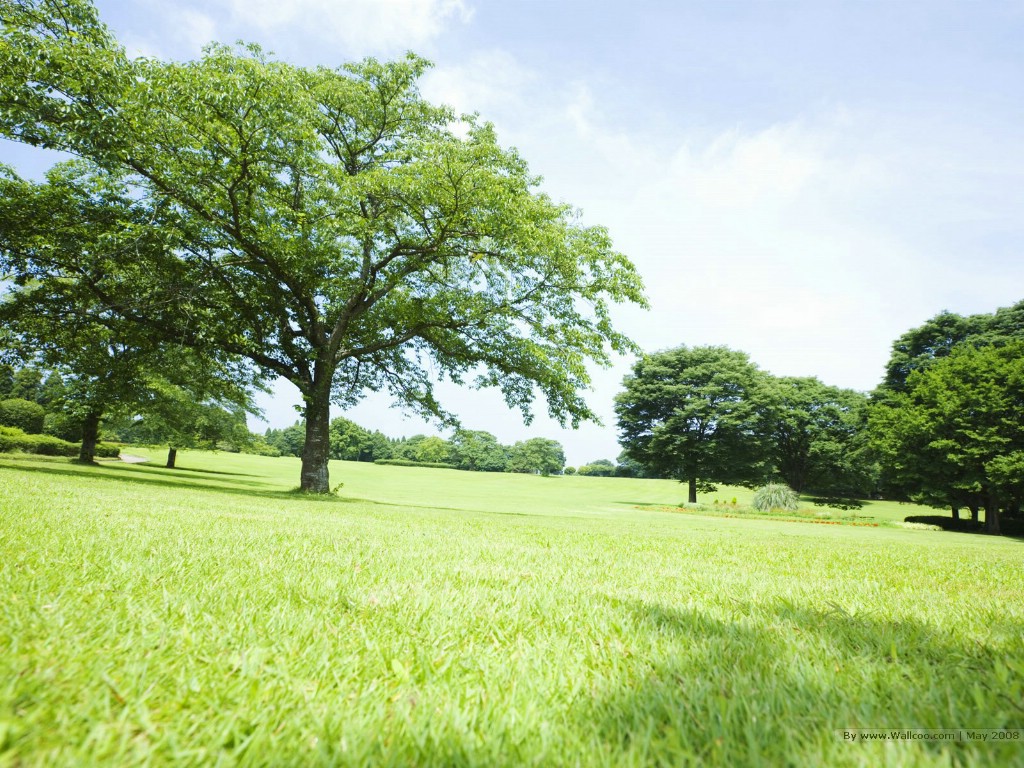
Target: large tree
{"points": [[818, 438], [955, 435], [938, 336], [698, 415], [341, 232], [918, 350]]}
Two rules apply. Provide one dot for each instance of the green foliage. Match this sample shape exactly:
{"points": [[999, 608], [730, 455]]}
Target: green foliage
{"points": [[350, 442], [537, 455], [599, 468], [775, 496], [955, 434], [478, 451], [27, 383], [818, 438], [344, 233], [23, 414], [13, 439], [288, 441], [257, 445], [414, 463], [6, 380], [697, 415], [63, 425]]}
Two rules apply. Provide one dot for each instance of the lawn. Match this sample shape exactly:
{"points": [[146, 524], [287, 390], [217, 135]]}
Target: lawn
{"points": [[209, 616]]}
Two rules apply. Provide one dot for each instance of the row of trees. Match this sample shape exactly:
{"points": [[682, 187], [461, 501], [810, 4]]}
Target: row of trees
{"points": [[708, 415], [471, 450], [944, 427], [237, 217], [40, 401], [948, 420]]}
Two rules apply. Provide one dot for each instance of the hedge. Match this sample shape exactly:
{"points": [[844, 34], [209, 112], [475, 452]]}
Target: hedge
{"points": [[409, 463], [13, 439]]}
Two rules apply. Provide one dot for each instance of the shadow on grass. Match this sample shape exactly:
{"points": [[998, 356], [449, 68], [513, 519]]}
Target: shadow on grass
{"points": [[1010, 527], [208, 471], [774, 683], [161, 477]]}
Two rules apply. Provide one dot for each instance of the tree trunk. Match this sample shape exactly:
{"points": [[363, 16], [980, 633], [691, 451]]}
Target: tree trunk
{"points": [[692, 495], [316, 451], [956, 512], [974, 513], [992, 515], [90, 436], [172, 455]]}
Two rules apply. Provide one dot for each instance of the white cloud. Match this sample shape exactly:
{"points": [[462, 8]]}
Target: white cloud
{"points": [[182, 32], [359, 27]]}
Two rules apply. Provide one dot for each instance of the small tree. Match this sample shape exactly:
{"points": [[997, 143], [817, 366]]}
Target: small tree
{"points": [[697, 415]]}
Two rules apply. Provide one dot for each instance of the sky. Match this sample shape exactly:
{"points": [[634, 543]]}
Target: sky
{"points": [[803, 181]]}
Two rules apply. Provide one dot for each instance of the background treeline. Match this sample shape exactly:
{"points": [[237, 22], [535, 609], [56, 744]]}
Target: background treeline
{"points": [[467, 449], [945, 427]]}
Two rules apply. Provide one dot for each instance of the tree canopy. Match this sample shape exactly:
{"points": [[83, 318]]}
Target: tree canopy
{"points": [[329, 225], [955, 436], [68, 243], [818, 440], [698, 415]]}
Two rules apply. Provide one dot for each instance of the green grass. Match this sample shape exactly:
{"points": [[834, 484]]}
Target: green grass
{"points": [[210, 616]]}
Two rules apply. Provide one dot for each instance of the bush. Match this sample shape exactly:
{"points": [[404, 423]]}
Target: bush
{"points": [[410, 463], [775, 496], [23, 414], [14, 439], [60, 424], [106, 450]]}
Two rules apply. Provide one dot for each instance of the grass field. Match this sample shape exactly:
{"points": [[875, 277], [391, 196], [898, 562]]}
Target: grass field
{"points": [[209, 616]]}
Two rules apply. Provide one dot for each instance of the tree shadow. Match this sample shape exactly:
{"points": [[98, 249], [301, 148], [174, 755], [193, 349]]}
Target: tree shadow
{"points": [[157, 477], [1009, 527], [775, 684], [160, 468]]}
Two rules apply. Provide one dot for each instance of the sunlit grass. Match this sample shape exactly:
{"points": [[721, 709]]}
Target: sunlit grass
{"points": [[429, 617]]}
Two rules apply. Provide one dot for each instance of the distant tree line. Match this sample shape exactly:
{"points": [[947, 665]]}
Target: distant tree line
{"points": [[467, 449], [945, 427]]}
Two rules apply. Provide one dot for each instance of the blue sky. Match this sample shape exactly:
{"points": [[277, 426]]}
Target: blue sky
{"points": [[800, 180]]}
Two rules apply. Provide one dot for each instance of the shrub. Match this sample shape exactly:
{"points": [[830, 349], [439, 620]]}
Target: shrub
{"points": [[106, 450], [775, 496], [14, 439], [60, 424], [410, 463], [23, 414]]}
